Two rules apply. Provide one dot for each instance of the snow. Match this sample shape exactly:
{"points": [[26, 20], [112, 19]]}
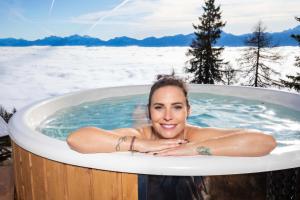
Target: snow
{"points": [[29, 74]]}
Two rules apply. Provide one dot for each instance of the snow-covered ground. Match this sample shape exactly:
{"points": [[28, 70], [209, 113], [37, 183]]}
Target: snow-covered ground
{"points": [[28, 74]]}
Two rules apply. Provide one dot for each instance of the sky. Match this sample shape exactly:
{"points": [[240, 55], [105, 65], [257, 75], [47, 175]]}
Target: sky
{"points": [[106, 19]]}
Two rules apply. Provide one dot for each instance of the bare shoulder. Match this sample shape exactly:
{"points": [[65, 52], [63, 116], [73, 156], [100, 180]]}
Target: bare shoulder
{"points": [[196, 133], [146, 131]]}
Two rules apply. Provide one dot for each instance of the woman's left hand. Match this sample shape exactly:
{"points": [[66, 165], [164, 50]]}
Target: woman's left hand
{"points": [[188, 149], [247, 144]]}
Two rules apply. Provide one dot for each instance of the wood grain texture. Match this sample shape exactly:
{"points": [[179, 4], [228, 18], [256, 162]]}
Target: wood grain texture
{"points": [[39, 178], [106, 185], [17, 171], [55, 180], [78, 181], [26, 174], [129, 186]]}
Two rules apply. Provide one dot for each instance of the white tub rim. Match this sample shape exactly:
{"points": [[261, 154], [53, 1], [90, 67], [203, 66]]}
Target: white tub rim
{"points": [[23, 134]]}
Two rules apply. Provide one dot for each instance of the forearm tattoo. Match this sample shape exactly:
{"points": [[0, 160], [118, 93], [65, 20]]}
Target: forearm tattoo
{"points": [[120, 140], [203, 150]]}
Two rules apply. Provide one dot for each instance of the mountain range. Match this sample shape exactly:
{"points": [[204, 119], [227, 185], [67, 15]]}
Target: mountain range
{"points": [[278, 38]]}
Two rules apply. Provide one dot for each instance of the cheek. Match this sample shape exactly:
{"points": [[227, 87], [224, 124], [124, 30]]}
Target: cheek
{"points": [[182, 114], [155, 115]]}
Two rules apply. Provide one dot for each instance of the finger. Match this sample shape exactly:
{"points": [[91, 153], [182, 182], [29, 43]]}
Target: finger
{"points": [[162, 148], [176, 152], [174, 141], [168, 153], [164, 151], [178, 144], [179, 151], [168, 147], [156, 152]]}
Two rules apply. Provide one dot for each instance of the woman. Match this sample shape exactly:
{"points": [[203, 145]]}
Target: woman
{"points": [[169, 134]]}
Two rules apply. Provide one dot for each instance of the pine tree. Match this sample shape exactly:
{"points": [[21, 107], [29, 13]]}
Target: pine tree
{"points": [[295, 80], [205, 64], [255, 58]]}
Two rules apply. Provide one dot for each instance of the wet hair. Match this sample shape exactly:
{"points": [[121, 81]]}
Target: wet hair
{"points": [[168, 80]]}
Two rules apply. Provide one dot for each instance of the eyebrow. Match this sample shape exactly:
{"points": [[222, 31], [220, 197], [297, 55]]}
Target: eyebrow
{"points": [[161, 104]]}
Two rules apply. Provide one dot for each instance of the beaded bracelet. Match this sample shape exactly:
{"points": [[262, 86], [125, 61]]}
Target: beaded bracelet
{"points": [[131, 144]]}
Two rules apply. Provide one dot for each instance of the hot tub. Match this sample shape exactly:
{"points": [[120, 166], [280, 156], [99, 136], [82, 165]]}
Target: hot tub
{"points": [[46, 168]]}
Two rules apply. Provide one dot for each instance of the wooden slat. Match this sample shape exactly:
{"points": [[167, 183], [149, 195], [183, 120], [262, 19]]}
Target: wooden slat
{"points": [[23, 195], [17, 171], [26, 174], [78, 183], [20, 172], [38, 177], [129, 186], [106, 185], [55, 180]]}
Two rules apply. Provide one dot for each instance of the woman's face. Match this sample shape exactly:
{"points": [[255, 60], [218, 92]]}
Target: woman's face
{"points": [[169, 112]]}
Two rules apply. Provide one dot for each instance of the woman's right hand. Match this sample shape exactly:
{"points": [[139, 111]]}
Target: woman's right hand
{"points": [[148, 146]]}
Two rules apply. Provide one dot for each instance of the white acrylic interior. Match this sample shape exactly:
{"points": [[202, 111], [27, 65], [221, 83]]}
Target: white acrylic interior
{"points": [[22, 131]]}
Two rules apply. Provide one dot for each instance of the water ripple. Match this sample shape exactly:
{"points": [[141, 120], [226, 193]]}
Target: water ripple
{"points": [[207, 111]]}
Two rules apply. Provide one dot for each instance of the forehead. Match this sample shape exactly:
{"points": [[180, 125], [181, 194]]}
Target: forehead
{"points": [[168, 93]]}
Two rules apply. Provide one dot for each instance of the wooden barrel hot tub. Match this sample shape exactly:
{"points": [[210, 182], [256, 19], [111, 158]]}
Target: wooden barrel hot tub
{"points": [[47, 169]]}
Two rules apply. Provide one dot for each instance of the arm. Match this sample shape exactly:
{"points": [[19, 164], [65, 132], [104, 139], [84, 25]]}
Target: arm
{"points": [[95, 140], [247, 143], [201, 134], [242, 143]]}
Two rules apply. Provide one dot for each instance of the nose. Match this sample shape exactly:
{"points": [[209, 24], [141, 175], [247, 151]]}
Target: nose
{"points": [[168, 115]]}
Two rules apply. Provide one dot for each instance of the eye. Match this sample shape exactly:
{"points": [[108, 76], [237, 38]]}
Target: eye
{"points": [[157, 107], [178, 107]]}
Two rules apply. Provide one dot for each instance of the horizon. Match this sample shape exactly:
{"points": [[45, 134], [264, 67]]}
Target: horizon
{"points": [[137, 38], [108, 19]]}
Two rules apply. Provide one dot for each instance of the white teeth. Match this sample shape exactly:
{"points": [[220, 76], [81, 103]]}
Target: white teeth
{"points": [[168, 125]]}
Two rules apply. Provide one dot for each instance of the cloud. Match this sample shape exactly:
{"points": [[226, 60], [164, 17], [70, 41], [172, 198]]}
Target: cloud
{"points": [[162, 17], [108, 14], [88, 18], [51, 7], [146, 15], [241, 16], [175, 11], [126, 11]]}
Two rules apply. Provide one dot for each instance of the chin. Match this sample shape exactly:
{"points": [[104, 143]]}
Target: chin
{"points": [[168, 134]]}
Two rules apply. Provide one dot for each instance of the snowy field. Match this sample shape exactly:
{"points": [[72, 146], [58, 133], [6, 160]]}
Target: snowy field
{"points": [[29, 74]]}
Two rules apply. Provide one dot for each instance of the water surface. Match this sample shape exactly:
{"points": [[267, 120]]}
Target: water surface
{"points": [[207, 111]]}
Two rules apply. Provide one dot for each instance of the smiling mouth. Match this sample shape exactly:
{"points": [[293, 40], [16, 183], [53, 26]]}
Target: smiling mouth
{"points": [[168, 126]]}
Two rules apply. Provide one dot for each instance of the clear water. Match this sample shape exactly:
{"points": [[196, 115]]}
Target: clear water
{"points": [[207, 111]]}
